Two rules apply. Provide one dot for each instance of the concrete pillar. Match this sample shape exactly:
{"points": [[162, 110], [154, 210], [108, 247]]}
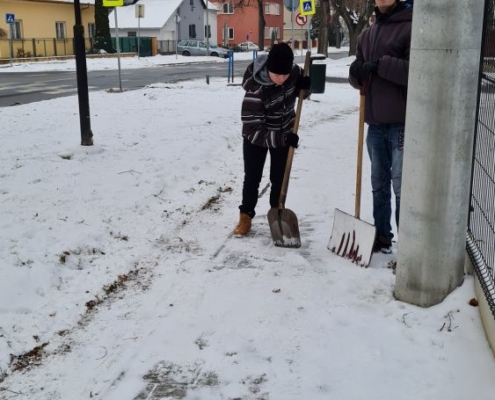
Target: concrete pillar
{"points": [[441, 112]]}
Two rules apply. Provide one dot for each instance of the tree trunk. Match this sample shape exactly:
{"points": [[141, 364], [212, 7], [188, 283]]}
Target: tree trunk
{"points": [[323, 33], [103, 39], [261, 25]]}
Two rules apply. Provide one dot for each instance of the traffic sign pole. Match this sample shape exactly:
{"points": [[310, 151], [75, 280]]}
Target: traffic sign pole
{"points": [[11, 45], [82, 78], [118, 46], [292, 26]]}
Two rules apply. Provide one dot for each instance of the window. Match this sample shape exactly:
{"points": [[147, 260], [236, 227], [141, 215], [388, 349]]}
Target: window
{"points": [[131, 34], [228, 8], [207, 31], [17, 30], [230, 33], [273, 8], [272, 33], [91, 30], [60, 29], [192, 31]]}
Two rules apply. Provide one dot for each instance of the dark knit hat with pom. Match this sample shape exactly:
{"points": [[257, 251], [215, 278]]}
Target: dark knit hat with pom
{"points": [[280, 59]]}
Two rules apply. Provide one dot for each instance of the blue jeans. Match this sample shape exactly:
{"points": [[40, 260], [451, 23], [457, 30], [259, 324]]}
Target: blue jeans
{"points": [[385, 148]]}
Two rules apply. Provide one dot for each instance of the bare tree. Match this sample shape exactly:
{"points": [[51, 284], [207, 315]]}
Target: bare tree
{"points": [[356, 15], [324, 12], [3, 33], [103, 39]]}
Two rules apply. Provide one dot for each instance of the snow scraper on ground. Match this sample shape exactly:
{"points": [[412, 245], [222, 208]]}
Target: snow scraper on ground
{"points": [[351, 237]]}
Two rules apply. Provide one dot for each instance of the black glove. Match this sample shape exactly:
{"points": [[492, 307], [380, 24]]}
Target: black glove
{"points": [[303, 83], [368, 68], [355, 69], [292, 140], [362, 70]]}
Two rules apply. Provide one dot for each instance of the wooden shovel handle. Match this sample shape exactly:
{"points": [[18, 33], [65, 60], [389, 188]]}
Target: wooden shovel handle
{"points": [[359, 175], [295, 128]]}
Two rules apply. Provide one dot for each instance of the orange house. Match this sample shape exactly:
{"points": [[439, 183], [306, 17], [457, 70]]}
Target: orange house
{"points": [[237, 25]]}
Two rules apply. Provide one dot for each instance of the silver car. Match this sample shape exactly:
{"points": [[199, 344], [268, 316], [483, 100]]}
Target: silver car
{"points": [[248, 46], [195, 47]]}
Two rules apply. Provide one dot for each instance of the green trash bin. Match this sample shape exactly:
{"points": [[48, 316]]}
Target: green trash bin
{"points": [[317, 73]]}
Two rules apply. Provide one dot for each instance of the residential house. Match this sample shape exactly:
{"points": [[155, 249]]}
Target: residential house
{"points": [[169, 21], [42, 27], [241, 24]]}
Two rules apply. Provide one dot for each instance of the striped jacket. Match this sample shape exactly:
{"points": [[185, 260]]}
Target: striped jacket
{"points": [[267, 109]]}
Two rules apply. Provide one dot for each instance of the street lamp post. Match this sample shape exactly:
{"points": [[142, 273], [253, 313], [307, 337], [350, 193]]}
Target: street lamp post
{"points": [[82, 78]]}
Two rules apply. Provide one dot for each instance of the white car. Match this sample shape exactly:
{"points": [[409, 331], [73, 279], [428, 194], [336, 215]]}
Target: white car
{"points": [[248, 46]]}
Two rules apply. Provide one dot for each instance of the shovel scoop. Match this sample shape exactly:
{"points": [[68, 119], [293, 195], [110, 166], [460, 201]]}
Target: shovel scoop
{"points": [[284, 228]]}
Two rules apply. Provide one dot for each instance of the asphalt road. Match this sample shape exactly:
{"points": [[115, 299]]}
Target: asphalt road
{"points": [[28, 87]]}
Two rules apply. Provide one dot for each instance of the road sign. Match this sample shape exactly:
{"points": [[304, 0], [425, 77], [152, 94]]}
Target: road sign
{"points": [[291, 5], [10, 18], [301, 20], [139, 10], [307, 7], [113, 3]]}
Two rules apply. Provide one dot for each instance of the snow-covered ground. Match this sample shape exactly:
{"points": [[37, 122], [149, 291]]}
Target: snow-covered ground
{"points": [[119, 279]]}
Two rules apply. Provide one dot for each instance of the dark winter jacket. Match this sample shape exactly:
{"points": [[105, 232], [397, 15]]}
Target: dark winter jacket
{"points": [[267, 109], [387, 41]]}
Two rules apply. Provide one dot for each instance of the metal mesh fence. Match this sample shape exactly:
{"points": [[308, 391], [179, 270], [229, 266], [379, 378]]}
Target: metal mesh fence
{"points": [[482, 216]]}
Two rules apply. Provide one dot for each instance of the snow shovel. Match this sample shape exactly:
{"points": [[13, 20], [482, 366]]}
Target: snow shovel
{"points": [[283, 222], [351, 237]]}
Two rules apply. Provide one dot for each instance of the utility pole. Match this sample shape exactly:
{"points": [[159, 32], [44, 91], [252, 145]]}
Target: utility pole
{"points": [[439, 136], [82, 78]]}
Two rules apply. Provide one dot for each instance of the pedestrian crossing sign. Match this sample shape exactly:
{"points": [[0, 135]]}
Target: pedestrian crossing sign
{"points": [[307, 7], [10, 18], [113, 3]]}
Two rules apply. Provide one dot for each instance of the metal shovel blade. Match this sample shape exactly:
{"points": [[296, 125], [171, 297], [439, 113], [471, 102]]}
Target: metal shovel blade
{"points": [[284, 228], [352, 238]]}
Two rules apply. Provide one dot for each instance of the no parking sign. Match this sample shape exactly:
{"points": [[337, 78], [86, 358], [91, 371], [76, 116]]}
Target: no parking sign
{"points": [[301, 20]]}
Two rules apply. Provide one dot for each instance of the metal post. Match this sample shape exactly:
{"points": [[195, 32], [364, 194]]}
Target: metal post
{"points": [[441, 117], [82, 79], [11, 47], [177, 20], [292, 25], [309, 35], [118, 46], [139, 37], [207, 30]]}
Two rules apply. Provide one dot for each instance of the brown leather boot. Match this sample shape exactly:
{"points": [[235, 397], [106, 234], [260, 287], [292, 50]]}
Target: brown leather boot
{"points": [[244, 225]]}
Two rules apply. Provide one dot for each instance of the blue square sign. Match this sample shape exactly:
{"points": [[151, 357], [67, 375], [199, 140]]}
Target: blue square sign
{"points": [[9, 18]]}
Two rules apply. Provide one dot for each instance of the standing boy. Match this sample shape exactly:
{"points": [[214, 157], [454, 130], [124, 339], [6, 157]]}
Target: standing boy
{"points": [[381, 69]]}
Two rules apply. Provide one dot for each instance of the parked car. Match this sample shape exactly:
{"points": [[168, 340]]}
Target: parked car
{"points": [[195, 47], [248, 46]]}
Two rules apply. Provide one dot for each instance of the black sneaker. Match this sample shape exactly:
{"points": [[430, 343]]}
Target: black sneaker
{"points": [[383, 245]]}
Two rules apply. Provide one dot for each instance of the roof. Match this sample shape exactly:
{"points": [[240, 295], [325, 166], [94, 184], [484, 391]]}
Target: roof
{"points": [[156, 14]]}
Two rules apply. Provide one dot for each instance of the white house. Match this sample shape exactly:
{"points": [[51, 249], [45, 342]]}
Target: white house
{"points": [[168, 20]]}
